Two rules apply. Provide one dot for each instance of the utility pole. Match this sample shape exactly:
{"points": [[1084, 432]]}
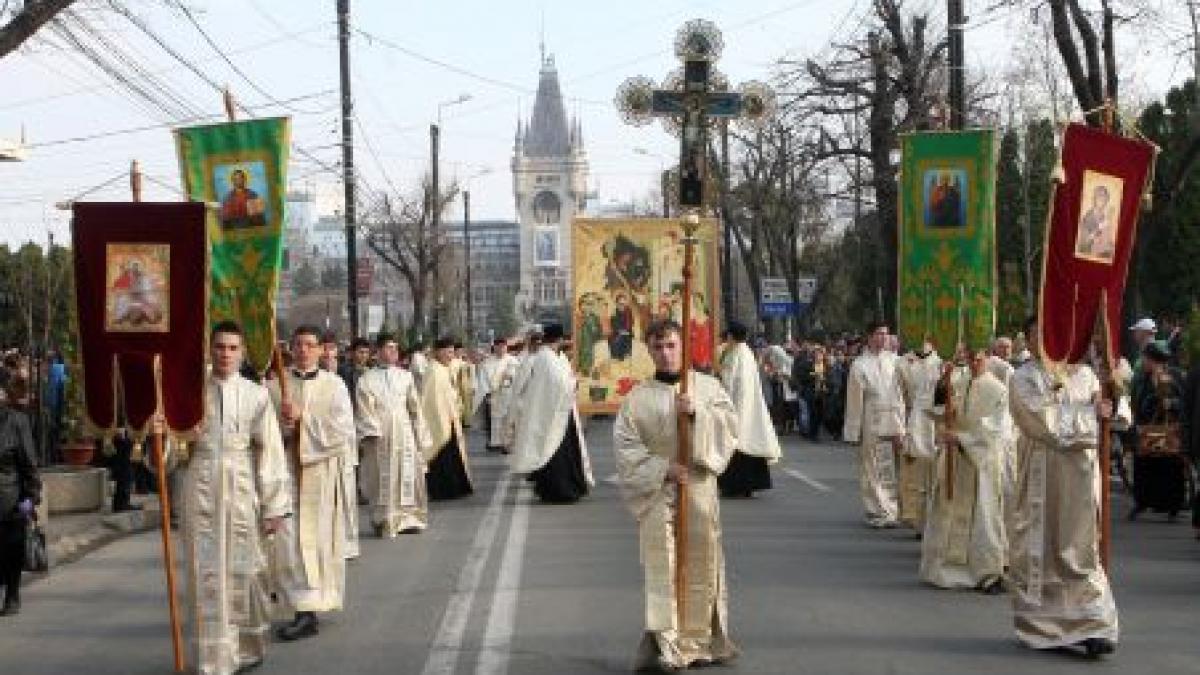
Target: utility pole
{"points": [[467, 264], [343, 17], [435, 199], [727, 284], [955, 21]]}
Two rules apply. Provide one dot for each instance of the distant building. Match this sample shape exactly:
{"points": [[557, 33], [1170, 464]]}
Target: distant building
{"points": [[495, 268], [550, 174]]}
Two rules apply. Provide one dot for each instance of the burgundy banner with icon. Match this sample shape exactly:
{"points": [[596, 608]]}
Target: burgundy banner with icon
{"points": [[1092, 228], [141, 279]]}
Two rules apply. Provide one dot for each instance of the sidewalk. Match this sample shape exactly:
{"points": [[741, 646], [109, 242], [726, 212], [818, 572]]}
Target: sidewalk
{"points": [[70, 537]]}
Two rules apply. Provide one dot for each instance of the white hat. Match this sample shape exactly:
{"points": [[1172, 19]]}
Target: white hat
{"points": [[1146, 324]]}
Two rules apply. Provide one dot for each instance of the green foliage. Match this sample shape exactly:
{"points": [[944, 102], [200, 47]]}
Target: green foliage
{"points": [[1166, 278]]}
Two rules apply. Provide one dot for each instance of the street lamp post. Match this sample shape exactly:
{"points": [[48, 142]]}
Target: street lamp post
{"points": [[470, 323], [435, 202]]}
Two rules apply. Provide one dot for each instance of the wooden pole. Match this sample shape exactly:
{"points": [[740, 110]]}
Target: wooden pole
{"points": [[949, 419], [230, 105], [1109, 392], [281, 377], [164, 492], [684, 422]]}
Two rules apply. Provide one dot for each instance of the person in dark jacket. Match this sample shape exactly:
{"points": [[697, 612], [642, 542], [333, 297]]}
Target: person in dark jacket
{"points": [[1159, 482], [1190, 427], [20, 492]]}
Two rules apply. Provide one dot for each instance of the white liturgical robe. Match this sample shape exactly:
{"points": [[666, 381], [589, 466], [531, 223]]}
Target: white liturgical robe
{"points": [[310, 558], [547, 397], [645, 441], [875, 416], [1061, 593], [394, 442], [493, 382], [919, 376], [756, 431], [963, 546], [235, 476]]}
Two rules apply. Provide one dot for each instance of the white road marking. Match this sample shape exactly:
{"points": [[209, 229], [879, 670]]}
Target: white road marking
{"points": [[497, 637], [447, 644], [613, 479], [811, 482]]}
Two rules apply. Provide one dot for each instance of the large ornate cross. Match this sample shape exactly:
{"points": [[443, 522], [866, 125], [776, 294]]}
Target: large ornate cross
{"points": [[690, 99]]}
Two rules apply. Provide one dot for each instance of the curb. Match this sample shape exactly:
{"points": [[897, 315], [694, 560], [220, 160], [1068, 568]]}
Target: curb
{"points": [[70, 548]]}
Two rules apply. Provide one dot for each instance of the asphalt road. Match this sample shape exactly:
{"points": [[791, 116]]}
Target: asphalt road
{"points": [[502, 584]]}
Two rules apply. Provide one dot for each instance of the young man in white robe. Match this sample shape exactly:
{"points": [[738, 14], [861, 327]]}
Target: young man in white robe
{"points": [[418, 362], [462, 374], [919, 375], [875, 420], [493, 379], [758, 446], [1061, 593], [449, 471], [235, 492], [393, 441], [964, 543], [317, 421], [1000, 365], [330, 361], [645, 441], [549, 444]]}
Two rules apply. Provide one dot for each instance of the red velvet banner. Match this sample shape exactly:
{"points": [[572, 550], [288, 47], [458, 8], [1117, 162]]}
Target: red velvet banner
{"points": [[1092, 228], [141, 275]]}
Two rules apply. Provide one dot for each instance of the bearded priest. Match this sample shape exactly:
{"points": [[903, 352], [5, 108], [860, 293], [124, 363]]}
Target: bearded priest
{"points": [[393, 439], [646, 443], [317, 419], [449, 474], [758, 446], [549, 444]]}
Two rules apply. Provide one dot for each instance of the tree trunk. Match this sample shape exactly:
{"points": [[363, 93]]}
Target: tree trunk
{"points": [[32, 16]]}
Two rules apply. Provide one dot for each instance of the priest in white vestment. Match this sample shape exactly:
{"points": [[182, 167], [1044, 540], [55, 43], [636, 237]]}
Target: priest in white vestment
{"points": [[317, 418], [418, 363], [493, 382], [646, 444], [549, 443], [394, 441], [758, 445], [235, 491], [875, 420], [462, 375], [964, 545], [1000, 365], [919, 375], [1061, 593], [449, 472]]}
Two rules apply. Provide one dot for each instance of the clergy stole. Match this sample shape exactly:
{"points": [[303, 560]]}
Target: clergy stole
{"points": [[1062, 593], [646, 441]]}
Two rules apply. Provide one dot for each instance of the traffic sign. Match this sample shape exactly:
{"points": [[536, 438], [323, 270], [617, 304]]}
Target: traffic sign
{"points": [[774, 297]]}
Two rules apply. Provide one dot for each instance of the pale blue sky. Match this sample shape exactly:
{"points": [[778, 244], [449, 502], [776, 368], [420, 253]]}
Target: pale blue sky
{"points": [[488, 49]]}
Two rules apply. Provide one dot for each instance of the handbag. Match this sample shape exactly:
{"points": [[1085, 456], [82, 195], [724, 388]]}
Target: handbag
{"points": [[1160, 438], [37, 557]]}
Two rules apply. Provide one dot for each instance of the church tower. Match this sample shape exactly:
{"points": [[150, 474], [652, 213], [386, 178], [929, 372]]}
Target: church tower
{"points": [[550, 171]]}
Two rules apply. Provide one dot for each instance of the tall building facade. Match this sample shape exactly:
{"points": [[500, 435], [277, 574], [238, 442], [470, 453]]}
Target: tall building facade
{"points": [[550, 174]]}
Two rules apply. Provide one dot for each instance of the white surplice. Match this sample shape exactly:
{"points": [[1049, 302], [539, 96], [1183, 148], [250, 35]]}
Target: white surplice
{"points": [[1061, 592], [394, 442], [756, 431], [874, 416], [645, 441], [964, 544], [310, 551], [493, 383], [234, 477], [548, 397], [919, 377]]}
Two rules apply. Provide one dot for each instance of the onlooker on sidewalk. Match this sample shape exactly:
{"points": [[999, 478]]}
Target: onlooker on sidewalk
{"points": [[20, 491]]}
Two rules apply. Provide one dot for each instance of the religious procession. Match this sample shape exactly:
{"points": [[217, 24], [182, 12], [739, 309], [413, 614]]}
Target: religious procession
{"points": [[881, 355]]}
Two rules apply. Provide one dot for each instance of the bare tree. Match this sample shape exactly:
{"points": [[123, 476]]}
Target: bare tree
{"points": [[26, 21], [402, 232]]}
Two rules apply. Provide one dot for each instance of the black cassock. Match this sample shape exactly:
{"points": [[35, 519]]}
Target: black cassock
{"points": [[447, 477], [562, 480]]}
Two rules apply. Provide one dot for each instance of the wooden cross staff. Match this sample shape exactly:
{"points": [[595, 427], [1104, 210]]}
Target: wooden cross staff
{"points": [[1108, 384], [687, 103]]}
